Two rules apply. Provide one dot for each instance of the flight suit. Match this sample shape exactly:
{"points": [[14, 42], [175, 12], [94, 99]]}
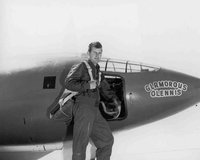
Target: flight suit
{"points": [[88, 121]]}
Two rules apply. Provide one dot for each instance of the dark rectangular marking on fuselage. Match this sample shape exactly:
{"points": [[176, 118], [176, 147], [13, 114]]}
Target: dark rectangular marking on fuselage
{"points": [[49, 82]]}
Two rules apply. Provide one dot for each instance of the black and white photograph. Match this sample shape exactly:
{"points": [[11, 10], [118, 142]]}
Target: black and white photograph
{"points": [[99, 80]]}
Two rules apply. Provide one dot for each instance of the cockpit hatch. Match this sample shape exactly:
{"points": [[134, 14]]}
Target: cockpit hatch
{"points": [[122, 66]]}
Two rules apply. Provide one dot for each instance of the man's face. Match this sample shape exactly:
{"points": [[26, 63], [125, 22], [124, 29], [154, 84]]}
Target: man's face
{"points": [[95, 55]]}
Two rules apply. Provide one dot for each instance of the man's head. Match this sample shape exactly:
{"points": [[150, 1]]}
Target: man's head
{"points": [[95, 52]]}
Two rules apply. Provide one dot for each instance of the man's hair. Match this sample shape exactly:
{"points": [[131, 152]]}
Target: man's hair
{"points": [[95, 45]]}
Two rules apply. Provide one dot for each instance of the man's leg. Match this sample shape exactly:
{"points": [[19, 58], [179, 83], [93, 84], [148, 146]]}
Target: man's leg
{"points": [[83, 122], [102, 138]]}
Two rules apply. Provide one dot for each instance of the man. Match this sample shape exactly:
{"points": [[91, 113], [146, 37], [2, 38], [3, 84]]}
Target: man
{"points": [[88, 121]]}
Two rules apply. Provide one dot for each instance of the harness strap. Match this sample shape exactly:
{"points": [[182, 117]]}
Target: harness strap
{"points": [[90, 73], [89, 70], [99, 78]]}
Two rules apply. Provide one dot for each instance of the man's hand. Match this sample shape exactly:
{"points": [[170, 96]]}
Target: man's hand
{"points": [[93, 84]]}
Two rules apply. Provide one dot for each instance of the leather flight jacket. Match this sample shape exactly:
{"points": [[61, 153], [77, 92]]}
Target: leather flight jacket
{"points": [[78, 80]]}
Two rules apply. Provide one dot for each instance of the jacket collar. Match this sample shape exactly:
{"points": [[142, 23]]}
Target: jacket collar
{"points": [[92, 64]]}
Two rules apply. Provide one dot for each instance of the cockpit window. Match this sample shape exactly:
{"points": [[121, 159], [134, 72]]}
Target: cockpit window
{"points": [[125, 66], [133, 68], [103, 65], [116, 66]]}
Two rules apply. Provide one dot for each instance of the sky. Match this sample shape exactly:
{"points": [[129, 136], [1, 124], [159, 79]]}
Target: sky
{"points": [[158, 32]]}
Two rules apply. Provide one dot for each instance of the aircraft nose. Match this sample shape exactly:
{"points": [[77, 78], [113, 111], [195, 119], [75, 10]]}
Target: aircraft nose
{"points": [[185, 89], [196, 89]]}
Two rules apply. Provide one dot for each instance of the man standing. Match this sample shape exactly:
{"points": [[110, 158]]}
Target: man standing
{"points": [[88, 121]]}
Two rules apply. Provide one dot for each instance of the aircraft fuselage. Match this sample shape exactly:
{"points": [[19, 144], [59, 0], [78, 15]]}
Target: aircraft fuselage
{"points": [[26, 96]]}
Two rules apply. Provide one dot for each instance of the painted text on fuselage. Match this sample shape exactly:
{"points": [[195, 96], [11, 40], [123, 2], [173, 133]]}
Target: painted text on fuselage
{"points": [[165, 88]]}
